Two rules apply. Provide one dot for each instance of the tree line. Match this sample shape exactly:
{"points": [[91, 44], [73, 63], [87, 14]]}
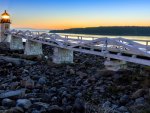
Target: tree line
{"points": [[119, 30]]}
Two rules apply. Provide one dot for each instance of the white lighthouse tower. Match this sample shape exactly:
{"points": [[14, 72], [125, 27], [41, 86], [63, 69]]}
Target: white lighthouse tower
{"points": [[5, 25]]}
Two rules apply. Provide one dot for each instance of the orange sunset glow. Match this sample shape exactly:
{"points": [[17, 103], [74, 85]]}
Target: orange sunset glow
{"points": [[75, 14]]}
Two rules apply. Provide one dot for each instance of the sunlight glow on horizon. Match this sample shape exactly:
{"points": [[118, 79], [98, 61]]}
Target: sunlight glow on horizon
{"points": [[64, 14]]}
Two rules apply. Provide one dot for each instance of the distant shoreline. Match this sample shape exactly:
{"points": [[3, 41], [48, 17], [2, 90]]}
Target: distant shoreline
{"points": [[99, 34], [109, 31]]}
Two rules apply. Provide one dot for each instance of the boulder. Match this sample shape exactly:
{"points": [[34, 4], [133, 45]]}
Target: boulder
{"points": [[42, 80], [138, 93], [106, 104], [122, 109], [40, 105], [28, 83], [140, 101], [13, 110], [55, 109], [124, 99], [12, 93], [24, 103], [8, 103]]}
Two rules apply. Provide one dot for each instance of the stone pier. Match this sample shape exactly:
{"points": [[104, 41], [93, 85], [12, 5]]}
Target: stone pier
{"points": [[33, 48], [5, 38], [5, 42], [62, 56], [16, 43], [114, 65]]}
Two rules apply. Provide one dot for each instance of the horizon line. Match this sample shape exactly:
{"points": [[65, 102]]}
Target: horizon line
{"points": [[74, 27]]}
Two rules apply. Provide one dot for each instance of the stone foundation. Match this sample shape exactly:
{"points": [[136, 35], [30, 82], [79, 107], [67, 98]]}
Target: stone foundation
{"points": [[62, 56], [114, 65], [16, 43], [33, 48], [4, 38]]}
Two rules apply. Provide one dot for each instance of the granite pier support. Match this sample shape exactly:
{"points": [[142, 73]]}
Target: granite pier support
{"points": [[33, 48], [5, 38], [16, 43], [62, 56], [5, 42], [115, 65]]}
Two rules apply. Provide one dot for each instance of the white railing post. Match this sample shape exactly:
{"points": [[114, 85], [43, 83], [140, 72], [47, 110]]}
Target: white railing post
{"points": [[92, 38], [66, 37], [120, 46], [78, 37], [81, 37], [106, 44], [146, 46]]}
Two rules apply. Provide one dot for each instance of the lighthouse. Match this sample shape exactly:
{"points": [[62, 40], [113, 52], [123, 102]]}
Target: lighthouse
{"points": [[5, 25]]}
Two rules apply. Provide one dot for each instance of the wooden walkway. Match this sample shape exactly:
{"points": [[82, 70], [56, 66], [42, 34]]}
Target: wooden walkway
{"points": [[115, 48]]}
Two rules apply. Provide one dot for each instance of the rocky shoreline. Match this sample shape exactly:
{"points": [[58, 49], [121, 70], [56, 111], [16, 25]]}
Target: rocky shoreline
{"points": [[83, 87]]}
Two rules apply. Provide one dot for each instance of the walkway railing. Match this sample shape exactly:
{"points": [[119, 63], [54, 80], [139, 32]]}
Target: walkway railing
{"points": [[116, 48]]}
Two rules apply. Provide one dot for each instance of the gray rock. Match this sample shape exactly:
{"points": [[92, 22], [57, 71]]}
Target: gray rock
{"points": [[86, 82], [13, 110], [106, 104], [114, 106], [54, 99], [139, 101], [81, 74], [53, 90], [12, 93], [78, 95], [36, 111], [16, 61], [24, 103], [8, 103], [25, 71], [29, 83], [64, 94], [62, 89], [34, 100], [41, 105], [42, 80], [124, 99], [55, 109], [122, 109], [9, 64], [71, 71], [138, 93]]}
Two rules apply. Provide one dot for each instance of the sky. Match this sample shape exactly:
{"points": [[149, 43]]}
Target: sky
{"points": [[64, 14]]}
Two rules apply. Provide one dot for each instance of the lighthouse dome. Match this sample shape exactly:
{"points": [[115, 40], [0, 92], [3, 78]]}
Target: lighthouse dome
{"points": [[5, 17]]}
